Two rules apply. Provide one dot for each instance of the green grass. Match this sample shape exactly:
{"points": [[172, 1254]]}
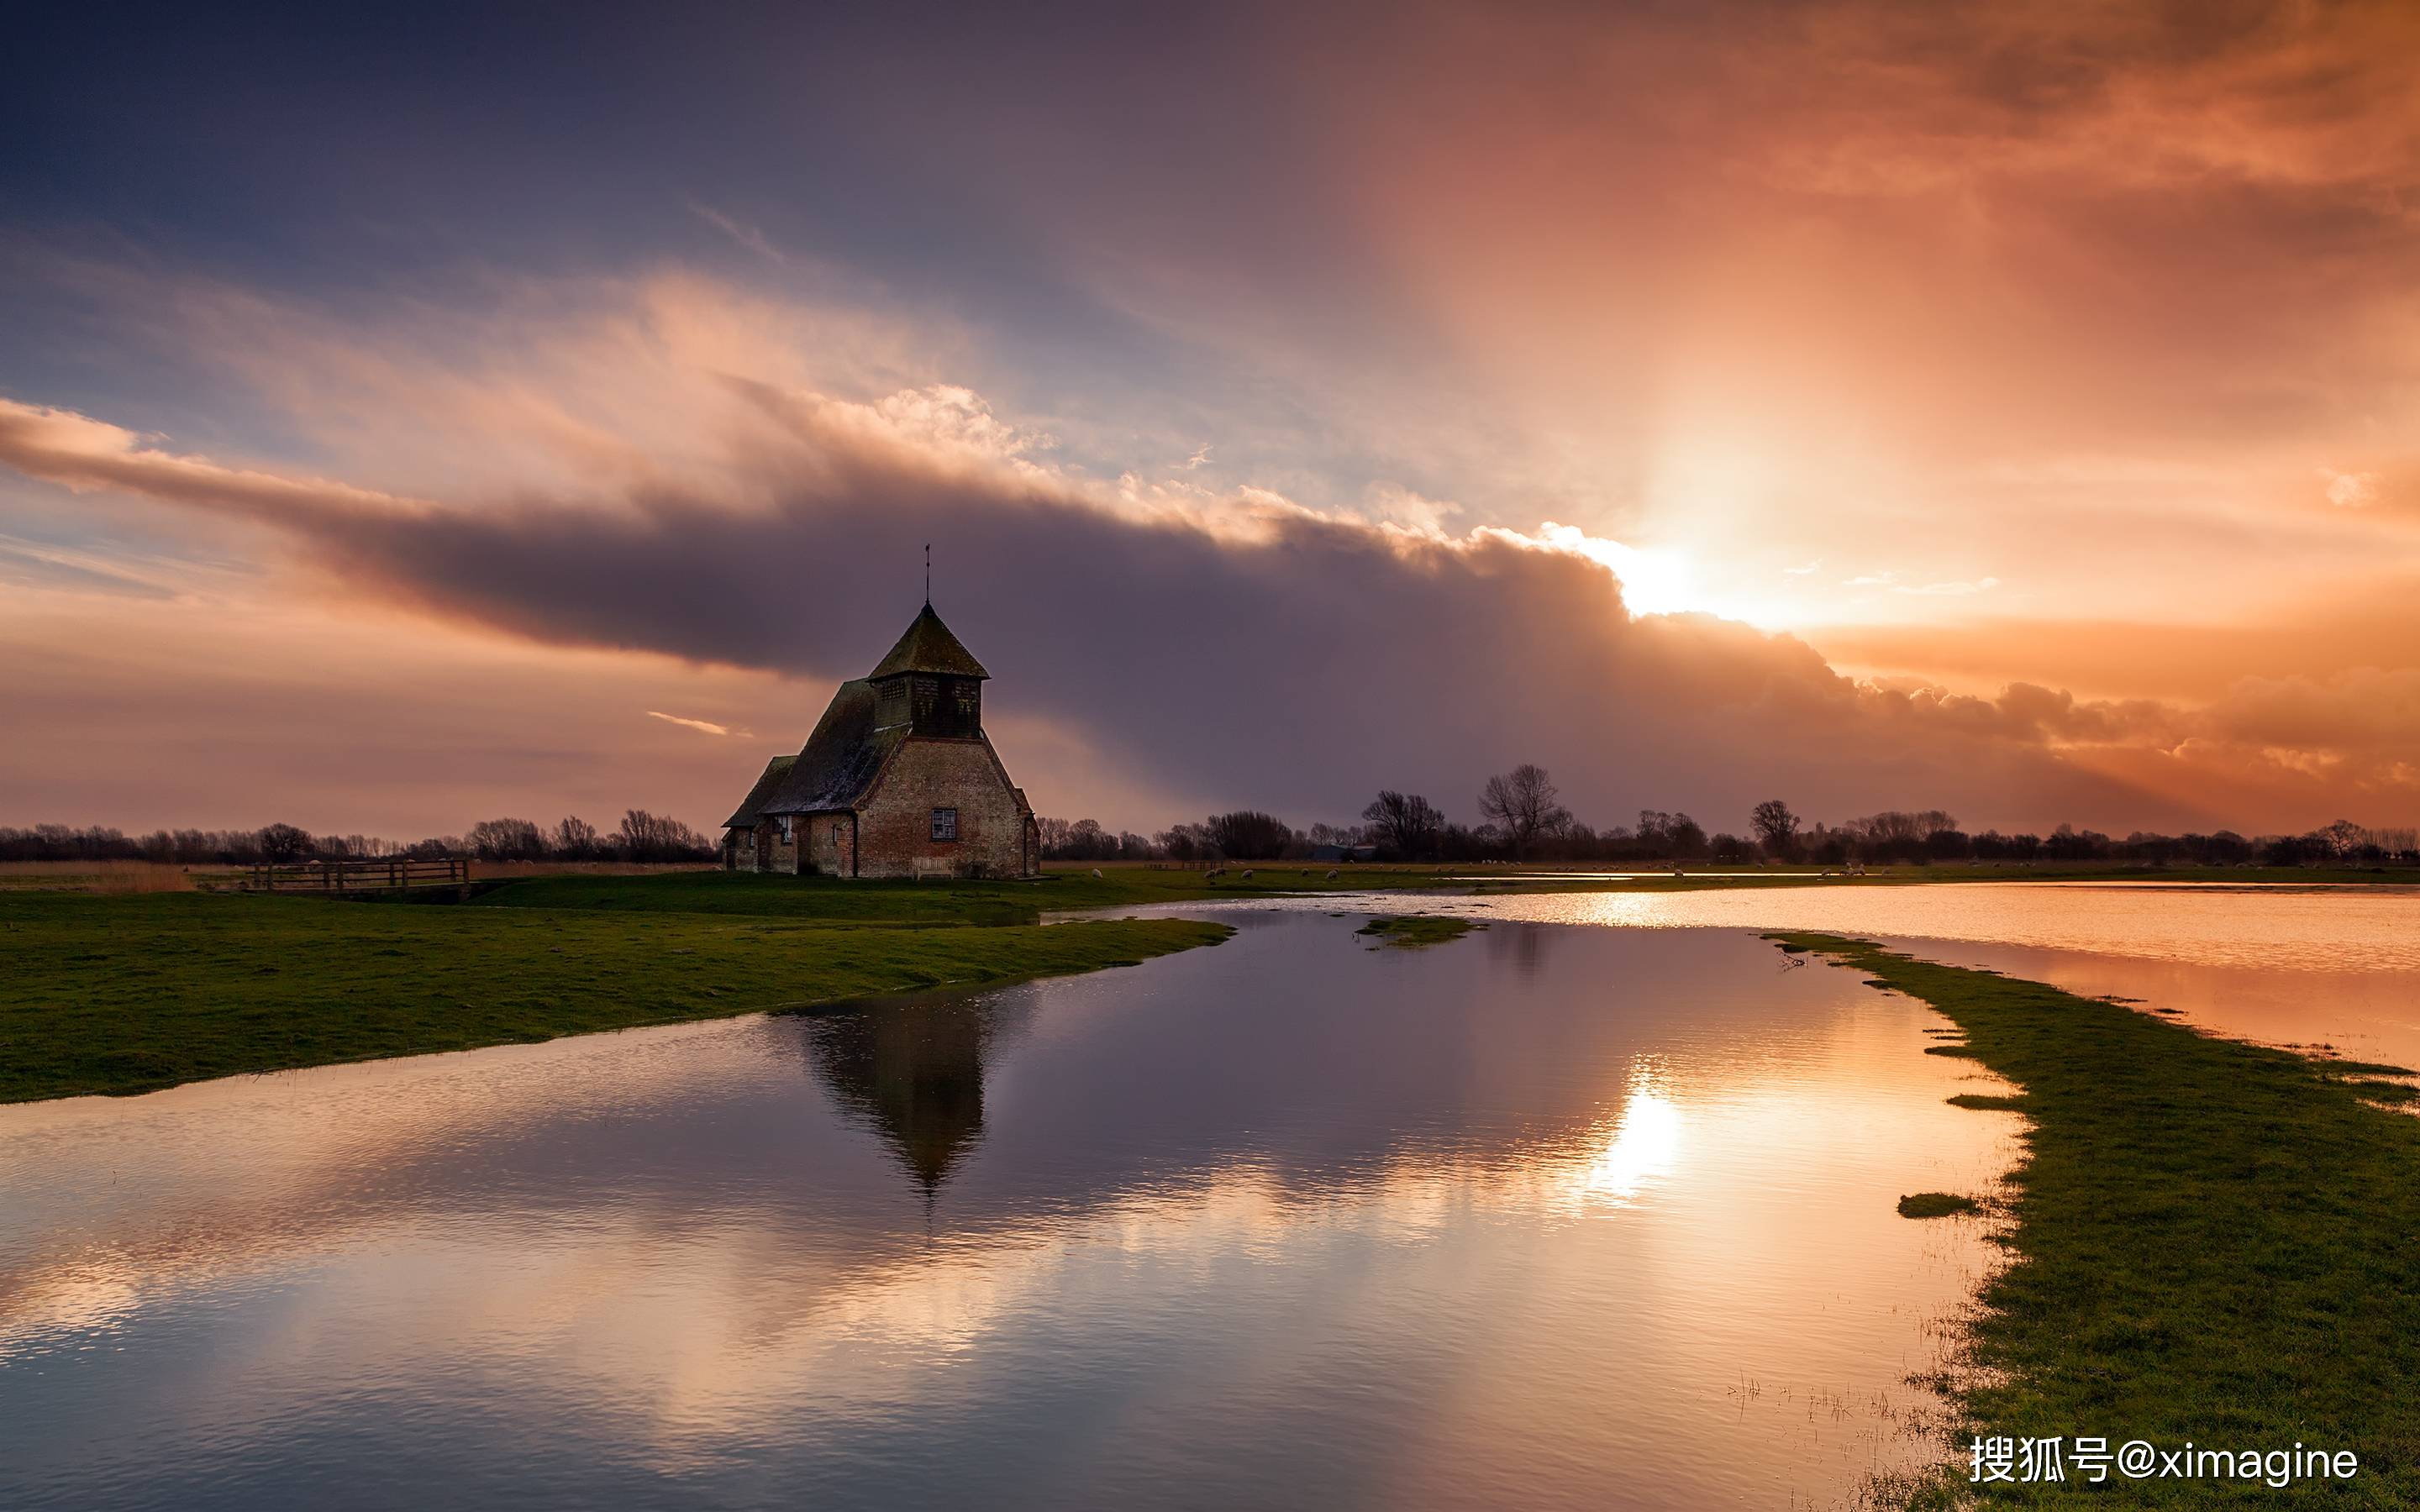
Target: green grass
{"points": [[1417, 931], [2209, 1241], [133, 992], [1936, 1205], [951, 902]]}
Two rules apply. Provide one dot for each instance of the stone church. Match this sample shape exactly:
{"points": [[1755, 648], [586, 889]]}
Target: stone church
{"points": [[897, 781]]}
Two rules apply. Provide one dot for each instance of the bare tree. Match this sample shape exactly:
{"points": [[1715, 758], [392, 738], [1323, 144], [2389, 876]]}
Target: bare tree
{"points": [[1776, 826], [284, 842], [1405, 823], [647, 836], [575, 838], [1248, 834], [1524, 801], [506, 840]]}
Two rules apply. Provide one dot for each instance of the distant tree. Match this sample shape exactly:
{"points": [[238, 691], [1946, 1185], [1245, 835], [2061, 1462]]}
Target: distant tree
{"points": [[645, 836], [1732, 848], [506, 840], [1947, 845], [1895, 834], [284, 842], [1185, 843], [1083, 841], [574, 839], [1776, 826], [1248, 834], [1525, 803], [1673, 835], [2339, 840], [1405, 824]]}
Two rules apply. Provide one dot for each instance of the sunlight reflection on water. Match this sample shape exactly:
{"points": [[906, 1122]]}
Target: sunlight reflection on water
{"points": [[1548, 1217]]}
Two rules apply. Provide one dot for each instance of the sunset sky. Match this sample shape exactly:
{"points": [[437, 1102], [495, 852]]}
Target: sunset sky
{"points": [[2012, 409]]}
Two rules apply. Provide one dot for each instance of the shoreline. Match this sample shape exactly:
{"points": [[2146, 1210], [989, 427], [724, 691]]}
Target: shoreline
{"points": [[2209, 1240]]}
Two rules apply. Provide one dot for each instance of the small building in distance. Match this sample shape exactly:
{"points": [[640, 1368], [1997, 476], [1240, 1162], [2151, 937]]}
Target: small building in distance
{"points": [[897, 781], [1333, 852]]}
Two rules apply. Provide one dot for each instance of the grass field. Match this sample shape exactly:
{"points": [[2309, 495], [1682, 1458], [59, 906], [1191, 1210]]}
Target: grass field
{"points": [[2210, 1242], [130, 993]]}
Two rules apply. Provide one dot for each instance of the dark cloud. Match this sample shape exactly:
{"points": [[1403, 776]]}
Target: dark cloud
{"points": [[1295, 662]]}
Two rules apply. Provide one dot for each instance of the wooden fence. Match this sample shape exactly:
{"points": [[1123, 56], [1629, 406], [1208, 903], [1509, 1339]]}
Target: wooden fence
{"points": [[385, 874]]}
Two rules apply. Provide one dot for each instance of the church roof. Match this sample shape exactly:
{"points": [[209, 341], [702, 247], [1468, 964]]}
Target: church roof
{"points": [[841, 758], [929, 647], [775, 770]]}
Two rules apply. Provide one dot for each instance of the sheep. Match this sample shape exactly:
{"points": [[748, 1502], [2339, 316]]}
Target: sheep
{"points": [[1097, 873]]}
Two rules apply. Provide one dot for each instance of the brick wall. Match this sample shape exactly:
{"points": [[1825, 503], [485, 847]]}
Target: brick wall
{"points": [[828, 840], [895, 836]]}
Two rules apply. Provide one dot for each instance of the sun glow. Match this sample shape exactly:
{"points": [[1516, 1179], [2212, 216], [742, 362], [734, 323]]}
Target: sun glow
{"points": [[1656, 579]]}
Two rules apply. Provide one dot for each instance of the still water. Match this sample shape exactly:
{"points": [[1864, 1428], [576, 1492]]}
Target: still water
{"points": [[2312, 967], [1549, 1216]]}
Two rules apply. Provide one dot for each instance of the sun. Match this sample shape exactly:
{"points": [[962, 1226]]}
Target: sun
{"points": [[1654, 579]]}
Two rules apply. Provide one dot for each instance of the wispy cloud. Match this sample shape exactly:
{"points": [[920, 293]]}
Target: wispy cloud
{"points": [[748, 236], [707, 726]]}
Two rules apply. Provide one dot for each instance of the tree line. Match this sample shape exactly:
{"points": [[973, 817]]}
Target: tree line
{"points": [[1522, 818], [640, 836]]}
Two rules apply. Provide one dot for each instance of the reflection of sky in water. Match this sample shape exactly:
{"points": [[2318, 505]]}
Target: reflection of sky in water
{"points": [[2338, 967], [1543, 1217]]}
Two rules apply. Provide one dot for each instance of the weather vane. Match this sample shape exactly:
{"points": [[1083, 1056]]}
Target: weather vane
{"points": [[928, 575]]}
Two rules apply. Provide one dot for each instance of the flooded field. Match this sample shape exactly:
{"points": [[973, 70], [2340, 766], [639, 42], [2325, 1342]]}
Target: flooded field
{"points": [[1549, 1216], [1594, 1207], [2317, 966]]}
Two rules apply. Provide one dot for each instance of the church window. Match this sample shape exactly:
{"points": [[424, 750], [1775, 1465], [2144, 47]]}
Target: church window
{"points": [[945, 823]]}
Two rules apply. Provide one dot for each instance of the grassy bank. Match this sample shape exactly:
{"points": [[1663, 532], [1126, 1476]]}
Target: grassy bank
{"points": [[128, 994], [2211, 1241]]}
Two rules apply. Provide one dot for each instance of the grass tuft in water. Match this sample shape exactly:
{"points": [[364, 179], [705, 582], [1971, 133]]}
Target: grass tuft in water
{"points": [[1417, 931], [1936, 1205]]}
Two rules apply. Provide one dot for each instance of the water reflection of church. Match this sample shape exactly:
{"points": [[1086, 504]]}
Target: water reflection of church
{"points": [[913, 1071]]}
